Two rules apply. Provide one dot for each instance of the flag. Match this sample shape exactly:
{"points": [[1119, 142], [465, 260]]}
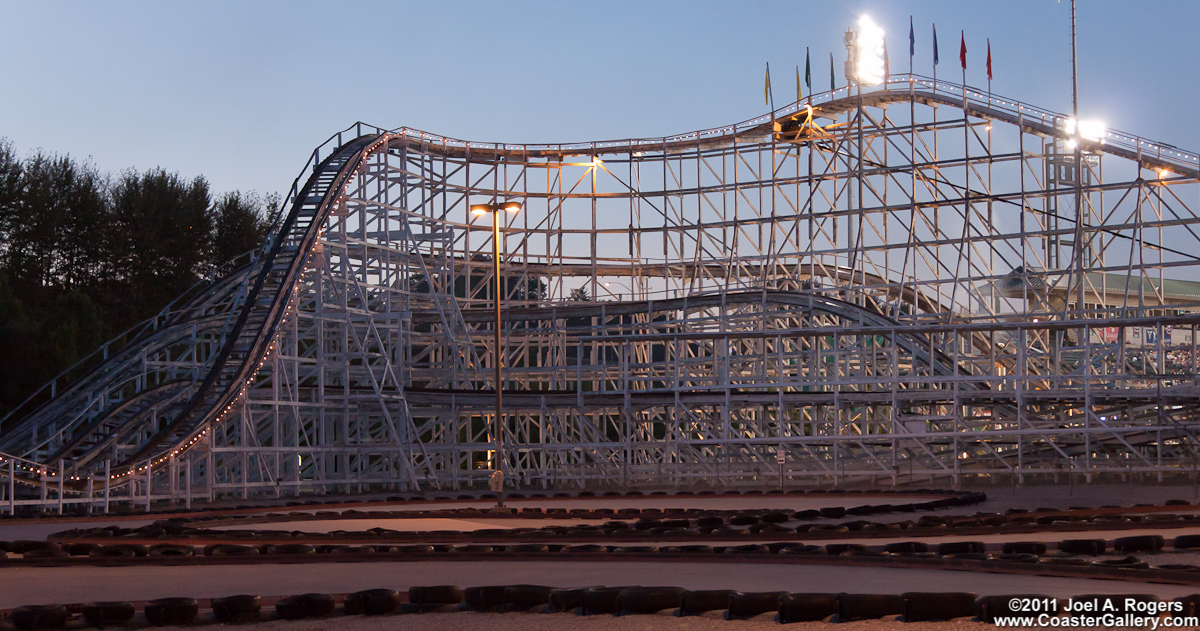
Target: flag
{"points": [[887, 72], [935, 55], [989, 59], [962, 50], [832, 80], [799, 92], [912, 41], [807, 71], [767, 86]]}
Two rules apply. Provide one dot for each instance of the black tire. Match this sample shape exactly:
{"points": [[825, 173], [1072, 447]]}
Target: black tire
{"points": [[22, 546], [1124, 563], [527, 547], [1178, 567], [1090, 547], [836, 549], [44, 553], [751, 548], [291, 548], [1141, 543], [171, 611], [801, 607], [485, 598], [802, 549], [710, 522], [435, 596], [239, 608], [773, 517], [689, 549], [305, 606], [38, 617], [919, 606], [648, 600], [1186, 542], [744, 605], [75, 549], [906, 547], [833, 512], [1018, 557], [959, 547], [525, 597], [601, 600], [565, 600], [117, 551], [587, 548], [636, 550], [1024, 547], [694, 602], [1191, 604], [372, 602], [172, 550], [229, 550], [105, 614], [868, 606]]}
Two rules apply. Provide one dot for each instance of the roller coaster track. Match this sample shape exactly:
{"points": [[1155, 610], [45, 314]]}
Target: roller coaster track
{"points": [[176, 383]]}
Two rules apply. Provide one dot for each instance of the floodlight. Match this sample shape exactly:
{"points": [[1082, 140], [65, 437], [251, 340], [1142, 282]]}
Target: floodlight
{"points": [[1088, 130], [868, 46]]}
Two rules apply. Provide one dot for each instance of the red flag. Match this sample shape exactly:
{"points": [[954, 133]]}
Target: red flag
{"points": [[962, 51], [989, 59]]}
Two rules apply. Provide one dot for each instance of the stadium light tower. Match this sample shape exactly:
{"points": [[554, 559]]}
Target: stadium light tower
{"points": [[495, 209]]}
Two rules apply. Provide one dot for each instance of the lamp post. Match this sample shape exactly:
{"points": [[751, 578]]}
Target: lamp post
{"points": [[622, 286], [495, 209]]}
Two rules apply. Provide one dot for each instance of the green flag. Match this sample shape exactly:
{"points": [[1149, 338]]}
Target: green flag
{"points": [[807, 71], [832, 80]]}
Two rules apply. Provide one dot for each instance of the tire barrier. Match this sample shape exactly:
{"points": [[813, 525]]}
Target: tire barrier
{"points": [[868, 606], [601, 600], [565, 600], [799, 607], [485, 598], [113, 552], [1024, 547], [305, 606], [1141, 543], [837, 549], [428, 597], [930, 606], [165, 612], [239, 608], [372, 602], [39, 617], [45, 553], [636, 550], [748, 549], [106, 614], [648, 600], [525, 597], [960, 547], [690, 549], [696, 602], [1089, 547], [1186, 542], [744, 605]]}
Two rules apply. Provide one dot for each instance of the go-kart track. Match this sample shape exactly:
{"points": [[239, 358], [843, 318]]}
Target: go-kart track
{"points": [[729, 359]]}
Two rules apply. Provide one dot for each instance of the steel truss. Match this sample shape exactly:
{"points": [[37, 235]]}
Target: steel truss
{"points": [[918, 281]]}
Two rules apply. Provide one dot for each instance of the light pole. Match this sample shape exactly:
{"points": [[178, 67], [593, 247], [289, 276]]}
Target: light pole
{"points": [[494, 209], [622, 286]]}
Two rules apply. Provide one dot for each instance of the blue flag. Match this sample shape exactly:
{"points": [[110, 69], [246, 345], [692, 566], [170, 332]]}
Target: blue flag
{"points": [[935, 56], [912, 40]]}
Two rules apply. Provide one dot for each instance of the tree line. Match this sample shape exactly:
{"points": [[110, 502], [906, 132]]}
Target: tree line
{"points": [[85, 255]]}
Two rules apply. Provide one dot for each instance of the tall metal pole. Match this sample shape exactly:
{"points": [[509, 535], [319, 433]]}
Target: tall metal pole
{"points": [[499, 351], [1079, 212]]}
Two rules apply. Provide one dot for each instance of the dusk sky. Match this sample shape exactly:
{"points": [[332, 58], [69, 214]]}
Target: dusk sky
{"points": [[241, 92]]}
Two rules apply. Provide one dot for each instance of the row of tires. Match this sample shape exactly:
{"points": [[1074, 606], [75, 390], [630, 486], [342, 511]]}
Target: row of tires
{"points": [[1012, 552], [788, 607], [81, 511]]}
